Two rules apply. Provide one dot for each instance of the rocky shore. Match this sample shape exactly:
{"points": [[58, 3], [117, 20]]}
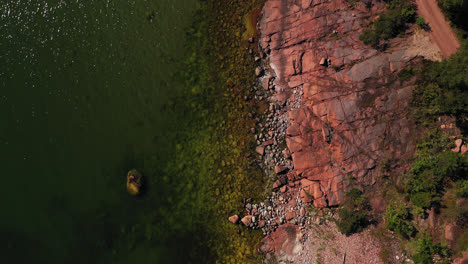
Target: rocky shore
{"points": [[337, 113]]}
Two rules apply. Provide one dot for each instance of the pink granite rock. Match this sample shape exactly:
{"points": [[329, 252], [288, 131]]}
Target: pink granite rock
{"points": [[350, 119]]}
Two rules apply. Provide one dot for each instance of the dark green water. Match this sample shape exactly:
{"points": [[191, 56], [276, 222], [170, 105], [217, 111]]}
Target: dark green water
{"points": [[85, 92]]}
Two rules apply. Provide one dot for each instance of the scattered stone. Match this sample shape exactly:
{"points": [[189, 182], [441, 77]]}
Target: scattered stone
{"points": [[277, 184], [261, 223], [280, 169], [290, 215], [283, 189], [302, 212], [258, 71], [234, 219], [323, 62], [260, 150], [286, 154], [247, 220], [293, 202], [268, 142]]}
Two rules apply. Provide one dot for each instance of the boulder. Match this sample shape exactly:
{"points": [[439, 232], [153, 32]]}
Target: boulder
{"points": [[463, 149], [258, 71], [458, 144], [277, 184], [292, 202], [247, 220], [234, 219], [286, 153], [260, 150], [283, 189], [323, 62], [280, 169], [284, 241], [261, 223], [290, 215]]}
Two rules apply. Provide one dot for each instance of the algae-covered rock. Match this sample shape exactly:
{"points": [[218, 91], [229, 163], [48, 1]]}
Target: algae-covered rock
{"points": [[134, 179]]}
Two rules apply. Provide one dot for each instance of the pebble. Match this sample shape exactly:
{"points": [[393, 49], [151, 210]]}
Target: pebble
{"points": [[258, 72]]}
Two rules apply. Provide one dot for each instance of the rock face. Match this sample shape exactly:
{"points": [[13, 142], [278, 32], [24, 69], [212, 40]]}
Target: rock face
{"points": [[351, 116]]}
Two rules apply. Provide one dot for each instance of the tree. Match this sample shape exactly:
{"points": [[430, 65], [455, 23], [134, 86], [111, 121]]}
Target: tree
{"points": [[397, 219], [353, 215]]}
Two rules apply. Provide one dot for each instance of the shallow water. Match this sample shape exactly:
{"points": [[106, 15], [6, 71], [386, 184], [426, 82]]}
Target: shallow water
{"points": [[85, 96]]}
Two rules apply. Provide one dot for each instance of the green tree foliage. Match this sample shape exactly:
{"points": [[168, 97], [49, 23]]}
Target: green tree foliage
{"points": [[435, 164], [420, 21], [444, 88], [451, 76], [390, 23], [397, 219], [461, 188], [426, 249], [457, 10], [353, 214]]}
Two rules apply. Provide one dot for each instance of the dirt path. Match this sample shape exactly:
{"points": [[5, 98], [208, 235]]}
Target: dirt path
{"points": [[441, 32]]}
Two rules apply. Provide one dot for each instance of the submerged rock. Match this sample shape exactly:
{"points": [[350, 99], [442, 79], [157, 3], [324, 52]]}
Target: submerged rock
{"points": [[134, 182]]}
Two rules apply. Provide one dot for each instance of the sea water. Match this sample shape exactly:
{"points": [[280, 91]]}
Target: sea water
{"points": [[85, 95]]}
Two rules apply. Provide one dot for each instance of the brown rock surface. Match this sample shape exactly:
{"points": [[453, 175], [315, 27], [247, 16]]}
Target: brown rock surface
{"points": [[348, 120]]}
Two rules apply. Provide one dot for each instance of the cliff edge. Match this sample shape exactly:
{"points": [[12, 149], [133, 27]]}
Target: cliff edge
{"points": [[347, 108]]}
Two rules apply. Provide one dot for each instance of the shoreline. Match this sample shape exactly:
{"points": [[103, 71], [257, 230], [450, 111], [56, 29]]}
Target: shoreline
{"points": [[291, 77]]}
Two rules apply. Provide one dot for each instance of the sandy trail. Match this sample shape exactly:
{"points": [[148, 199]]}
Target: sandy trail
{"points": [[441, 32]]}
